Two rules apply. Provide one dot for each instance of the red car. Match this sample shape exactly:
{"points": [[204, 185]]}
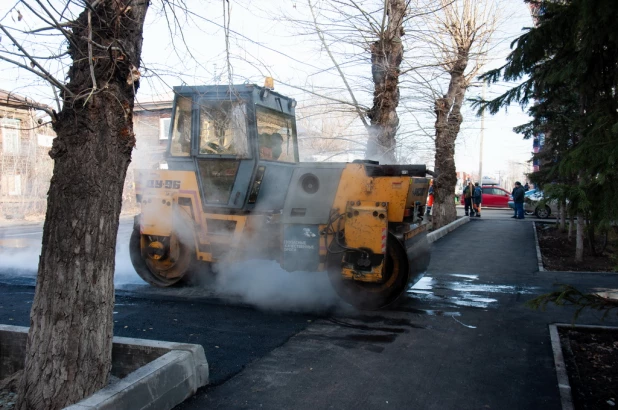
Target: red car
{"points": [[493, 197]]}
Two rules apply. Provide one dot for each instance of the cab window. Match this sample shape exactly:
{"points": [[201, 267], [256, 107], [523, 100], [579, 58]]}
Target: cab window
{"points": [[276, 136], [181, 134], [223, 129]]}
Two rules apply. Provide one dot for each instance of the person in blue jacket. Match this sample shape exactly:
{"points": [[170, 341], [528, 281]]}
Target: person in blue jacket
{"points": [[477, 198]]}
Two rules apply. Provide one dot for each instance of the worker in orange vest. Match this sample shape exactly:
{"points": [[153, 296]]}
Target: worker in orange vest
{"points": [[430, 198]]}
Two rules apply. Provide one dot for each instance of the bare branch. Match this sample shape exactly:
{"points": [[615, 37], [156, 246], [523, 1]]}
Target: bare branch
{"points": [[343, 77], [94, 80], [46, 76]]}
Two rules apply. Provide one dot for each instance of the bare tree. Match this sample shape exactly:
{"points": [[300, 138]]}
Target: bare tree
{"points": [[359, 37], [69, 345], [460, 35]]}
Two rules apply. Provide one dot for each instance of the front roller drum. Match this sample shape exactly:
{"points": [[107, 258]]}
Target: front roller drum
{"points": [[160, 261], [404, 263]]}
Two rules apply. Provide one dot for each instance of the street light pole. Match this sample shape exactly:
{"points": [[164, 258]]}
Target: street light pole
{"points": [[482, 137]]}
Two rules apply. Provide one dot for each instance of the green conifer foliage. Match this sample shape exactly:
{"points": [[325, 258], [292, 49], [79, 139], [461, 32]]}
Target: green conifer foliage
{"points": [[569, 64]]}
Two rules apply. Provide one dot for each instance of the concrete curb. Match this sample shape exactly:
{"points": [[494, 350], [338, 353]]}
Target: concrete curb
{"points": [[439, 233], [177, 371], [539, 256], [564, 387], [566, 398], [160, 384]]}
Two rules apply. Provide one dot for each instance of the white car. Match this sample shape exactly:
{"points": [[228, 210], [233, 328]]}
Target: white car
{"points": [[533, 205]]}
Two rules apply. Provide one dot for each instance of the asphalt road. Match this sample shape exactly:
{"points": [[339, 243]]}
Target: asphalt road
{"points": [[461, 339]]}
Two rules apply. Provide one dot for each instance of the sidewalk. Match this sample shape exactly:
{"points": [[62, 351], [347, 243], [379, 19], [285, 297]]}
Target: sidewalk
{"points": [[462, 340]]}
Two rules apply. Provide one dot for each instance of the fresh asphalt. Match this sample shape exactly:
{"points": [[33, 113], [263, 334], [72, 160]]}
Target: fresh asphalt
{"points": [[462, 339]]}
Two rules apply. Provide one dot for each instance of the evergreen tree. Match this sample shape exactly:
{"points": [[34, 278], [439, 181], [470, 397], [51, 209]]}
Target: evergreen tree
{"points": [[570, 62]]}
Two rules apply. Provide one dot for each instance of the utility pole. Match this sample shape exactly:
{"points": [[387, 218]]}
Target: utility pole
{"points": [[482, 137]]}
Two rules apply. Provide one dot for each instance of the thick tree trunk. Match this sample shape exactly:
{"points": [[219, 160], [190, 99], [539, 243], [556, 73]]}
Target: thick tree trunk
{"points": [[69, 345], [444, 210], [448, 123], [386, 57]]}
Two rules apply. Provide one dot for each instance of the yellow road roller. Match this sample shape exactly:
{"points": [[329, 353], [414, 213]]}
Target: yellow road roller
{"points": [[233, 188]]}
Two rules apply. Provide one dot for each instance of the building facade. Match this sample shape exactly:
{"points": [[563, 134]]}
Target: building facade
{"points": [[25, 166]]}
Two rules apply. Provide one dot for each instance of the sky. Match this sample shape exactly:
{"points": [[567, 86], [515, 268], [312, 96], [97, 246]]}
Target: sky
{"points": [[265, 40]]}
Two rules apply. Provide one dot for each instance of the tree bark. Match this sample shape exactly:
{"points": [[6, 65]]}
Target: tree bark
{"points": [[562, 215], [386, 57], [448, 123], [68, 354]]}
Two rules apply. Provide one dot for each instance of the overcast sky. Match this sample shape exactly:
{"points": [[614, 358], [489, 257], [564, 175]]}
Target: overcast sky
{"points": [[194, 52]]}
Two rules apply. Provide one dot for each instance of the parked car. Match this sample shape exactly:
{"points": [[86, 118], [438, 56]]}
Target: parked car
{"points": [[493, 197], [533, 204], [526, 195]]}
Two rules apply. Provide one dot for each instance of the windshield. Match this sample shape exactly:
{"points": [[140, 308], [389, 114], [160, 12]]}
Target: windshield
{"points": [[223, 129], [276, 137]]}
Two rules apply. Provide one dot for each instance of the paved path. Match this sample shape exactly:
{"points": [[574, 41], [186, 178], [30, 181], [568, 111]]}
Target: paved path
{"points": [[462, 340]]}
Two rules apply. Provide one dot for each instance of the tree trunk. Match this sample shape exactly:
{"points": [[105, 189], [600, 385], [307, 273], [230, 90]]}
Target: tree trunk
{"points": [[579, 238], [386, 57], [448, 123], [571, 223], [68, 354]]}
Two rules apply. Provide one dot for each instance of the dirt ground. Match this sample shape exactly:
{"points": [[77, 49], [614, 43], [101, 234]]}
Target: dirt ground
{"points": [[558, 252], [591, 357]]}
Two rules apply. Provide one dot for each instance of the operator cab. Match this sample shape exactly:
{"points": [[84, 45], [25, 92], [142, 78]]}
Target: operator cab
{"points": [[240, 140]]}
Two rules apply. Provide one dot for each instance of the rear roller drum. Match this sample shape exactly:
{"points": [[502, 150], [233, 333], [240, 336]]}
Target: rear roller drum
{"points": [[368, 295]]}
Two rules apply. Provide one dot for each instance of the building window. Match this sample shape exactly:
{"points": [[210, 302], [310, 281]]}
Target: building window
{"points": [[164, 128], [10, 135], [11, 185]]}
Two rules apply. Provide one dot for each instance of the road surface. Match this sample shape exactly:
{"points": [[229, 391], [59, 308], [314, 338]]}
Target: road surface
{"points": [[462, 338]]}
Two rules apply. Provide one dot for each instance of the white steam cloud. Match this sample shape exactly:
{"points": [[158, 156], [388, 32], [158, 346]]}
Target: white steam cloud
{"points": [[263, 284], [266, 285], [125, 272], [20, 258], [19, 261]]}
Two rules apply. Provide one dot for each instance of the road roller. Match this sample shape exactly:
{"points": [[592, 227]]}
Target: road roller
{"points": [[232, 188]]}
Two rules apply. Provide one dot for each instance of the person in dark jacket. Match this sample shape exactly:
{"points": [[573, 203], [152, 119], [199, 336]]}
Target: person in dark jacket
{"points": [[518, 200], [468, 191], [526, 187]]}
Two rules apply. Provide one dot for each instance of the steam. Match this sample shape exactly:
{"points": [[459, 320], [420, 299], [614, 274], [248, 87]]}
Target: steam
{"points": [[20, 258], [125, 272], [20, 261], [265, 285]]}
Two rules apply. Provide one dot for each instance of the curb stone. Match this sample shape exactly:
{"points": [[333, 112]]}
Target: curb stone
{"points": [[173, 372], [439, 233], [539, 256], [564, 387], [161, 384]]}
